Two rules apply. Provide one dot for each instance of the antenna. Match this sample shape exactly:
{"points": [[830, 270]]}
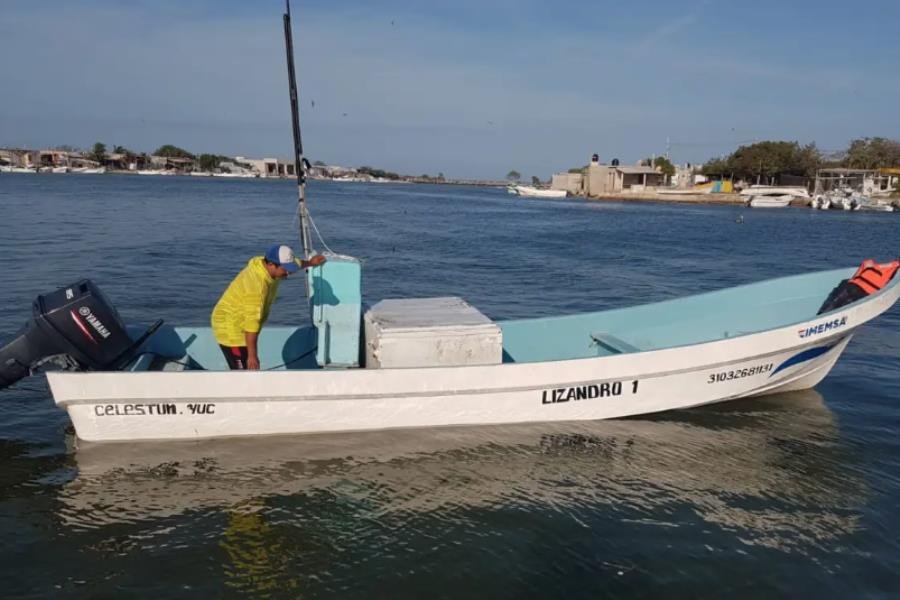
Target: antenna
{"points": [[300, 163]]}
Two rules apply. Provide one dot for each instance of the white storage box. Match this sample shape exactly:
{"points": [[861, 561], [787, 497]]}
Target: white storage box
{"points": [[430, 332]]}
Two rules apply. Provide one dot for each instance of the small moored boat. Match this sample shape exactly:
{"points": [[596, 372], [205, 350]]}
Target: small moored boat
{"points": [[533, 192], [779, 201], [798, 191]]}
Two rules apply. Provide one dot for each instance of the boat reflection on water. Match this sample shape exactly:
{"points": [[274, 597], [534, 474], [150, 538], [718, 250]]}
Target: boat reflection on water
{"points": [[772, 471], [288, 513]]}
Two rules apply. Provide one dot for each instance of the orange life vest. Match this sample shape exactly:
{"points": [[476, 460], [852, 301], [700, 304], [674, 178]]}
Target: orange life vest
{"points": [[871, 276]]}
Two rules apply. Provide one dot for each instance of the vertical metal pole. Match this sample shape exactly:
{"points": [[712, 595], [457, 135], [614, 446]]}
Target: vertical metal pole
{"points": [[299, 161]]}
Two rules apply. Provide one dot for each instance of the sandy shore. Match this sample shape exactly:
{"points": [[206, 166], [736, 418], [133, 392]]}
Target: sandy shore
{"points": [[686, 198]]}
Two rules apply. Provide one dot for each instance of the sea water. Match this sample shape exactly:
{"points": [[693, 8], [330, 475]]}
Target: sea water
{"points": [[785, 496]]}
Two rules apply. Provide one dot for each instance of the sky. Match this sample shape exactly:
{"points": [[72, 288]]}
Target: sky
{"points": [[468, 88]]}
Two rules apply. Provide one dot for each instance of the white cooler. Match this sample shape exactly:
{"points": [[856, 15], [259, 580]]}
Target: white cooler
{"points": [[430, 332]]}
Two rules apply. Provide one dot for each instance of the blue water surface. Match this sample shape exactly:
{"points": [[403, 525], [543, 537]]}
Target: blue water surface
{"points": [[785, 496]]}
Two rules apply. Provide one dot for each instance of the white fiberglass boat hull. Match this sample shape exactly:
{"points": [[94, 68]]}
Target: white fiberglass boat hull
{"points": [[533, 192], [122, 406], [770, 201], [776, 190]]}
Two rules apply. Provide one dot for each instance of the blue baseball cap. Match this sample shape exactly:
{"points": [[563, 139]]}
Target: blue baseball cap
{"points": [[284, 256]]}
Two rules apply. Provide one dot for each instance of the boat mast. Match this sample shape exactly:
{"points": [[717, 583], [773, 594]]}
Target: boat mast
{"points": [[300, 163]]}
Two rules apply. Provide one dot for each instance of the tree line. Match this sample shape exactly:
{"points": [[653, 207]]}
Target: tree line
{"points": [[770, 160]]}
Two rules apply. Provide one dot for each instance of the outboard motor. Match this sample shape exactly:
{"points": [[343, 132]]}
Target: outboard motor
{"points": [[75, 327]]}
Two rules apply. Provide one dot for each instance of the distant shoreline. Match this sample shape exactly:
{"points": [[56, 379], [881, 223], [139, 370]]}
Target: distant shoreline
{"points": [[644, 196], [208, 175]]}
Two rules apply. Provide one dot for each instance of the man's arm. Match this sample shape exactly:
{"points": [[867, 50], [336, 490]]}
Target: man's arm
{"points": [[315, 261], [252, 354]]}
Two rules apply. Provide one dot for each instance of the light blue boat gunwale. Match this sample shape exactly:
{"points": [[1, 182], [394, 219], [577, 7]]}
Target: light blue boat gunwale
{"points": [[710, 316]]}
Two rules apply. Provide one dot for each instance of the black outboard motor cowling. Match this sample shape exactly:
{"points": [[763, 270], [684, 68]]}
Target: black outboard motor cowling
{"points": [[77, 322]]}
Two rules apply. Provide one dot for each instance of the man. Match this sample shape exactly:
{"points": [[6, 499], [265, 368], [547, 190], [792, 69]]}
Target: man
{"points": [[242, 310]]}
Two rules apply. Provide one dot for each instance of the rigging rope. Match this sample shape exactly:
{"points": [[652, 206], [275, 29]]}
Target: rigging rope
{"points": [[297, 219], [319, 235]]}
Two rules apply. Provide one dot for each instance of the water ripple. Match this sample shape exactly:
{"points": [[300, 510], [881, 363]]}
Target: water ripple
{"points": [[745, 498]]}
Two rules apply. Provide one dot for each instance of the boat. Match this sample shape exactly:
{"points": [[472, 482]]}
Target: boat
{"points": [[770, 201], [773, 196], [90, 170], [533, 192], [236, 175], [750, 340], [385, 180], [429, 362], [155, 172], [820, 202], [866, 203], [876, 207], [676, 191], [11, 169], [841, 201], [798, 191]]}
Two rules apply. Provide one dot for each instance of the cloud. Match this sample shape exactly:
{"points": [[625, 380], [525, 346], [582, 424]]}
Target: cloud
{"points": [[652, 40]]}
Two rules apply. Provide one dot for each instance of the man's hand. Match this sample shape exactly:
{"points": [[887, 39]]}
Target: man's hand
{"points": [[252, 339], [316, 260]]}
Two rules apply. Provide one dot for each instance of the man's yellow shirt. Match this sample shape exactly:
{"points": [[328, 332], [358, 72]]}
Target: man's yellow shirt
{"points": [[244, 306]]}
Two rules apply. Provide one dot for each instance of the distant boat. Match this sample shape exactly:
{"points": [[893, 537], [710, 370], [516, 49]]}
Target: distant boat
{"points": [[867, 204], [821, 202], [798, 191], [153, 172], [59, 170], [238, 175], [90, 170], [200, 174], [781, 201], [678, 192], [533, 192]]}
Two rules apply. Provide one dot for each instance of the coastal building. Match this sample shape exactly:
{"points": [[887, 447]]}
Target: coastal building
{"points": [[890, 178], [173, 163], [269, 167], [636, 178], [14, 157], [53, 158], [573, 183], [865, 181], [598, 179], [125, 161], [684, 176]]}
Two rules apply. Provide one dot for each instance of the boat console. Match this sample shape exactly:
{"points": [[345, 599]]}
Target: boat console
{"points": [[335, 304]]}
